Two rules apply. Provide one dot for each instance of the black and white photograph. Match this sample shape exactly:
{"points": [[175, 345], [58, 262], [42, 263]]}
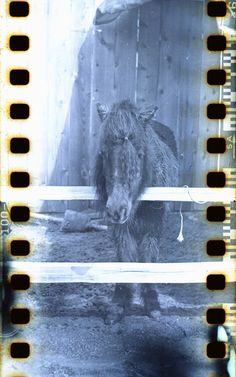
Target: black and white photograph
{"points": [[122, 244]]}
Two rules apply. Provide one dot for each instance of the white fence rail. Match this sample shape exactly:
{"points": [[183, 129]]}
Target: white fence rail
{"points": [[173, 194], [64, 272]]}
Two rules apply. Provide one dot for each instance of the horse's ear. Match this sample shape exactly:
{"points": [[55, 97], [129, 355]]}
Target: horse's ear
{"points": [[147, 114], [102, 111]]}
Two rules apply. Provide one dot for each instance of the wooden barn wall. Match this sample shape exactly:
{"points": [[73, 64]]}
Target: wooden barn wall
{"points": [[151, 55]]}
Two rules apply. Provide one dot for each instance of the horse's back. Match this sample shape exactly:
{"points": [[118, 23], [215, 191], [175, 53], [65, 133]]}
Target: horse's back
{"points": [[166, 135]]}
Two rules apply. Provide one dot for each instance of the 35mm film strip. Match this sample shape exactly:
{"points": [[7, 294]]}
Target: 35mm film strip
{"points": [[221, 186]]}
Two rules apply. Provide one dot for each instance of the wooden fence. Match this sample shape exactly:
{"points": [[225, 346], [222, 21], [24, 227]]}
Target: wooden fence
{"points": [[153, 54], [167, 273]]}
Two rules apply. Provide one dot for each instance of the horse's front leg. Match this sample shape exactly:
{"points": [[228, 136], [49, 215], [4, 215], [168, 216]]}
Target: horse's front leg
{"points": [[149, 253], [127, 252]]}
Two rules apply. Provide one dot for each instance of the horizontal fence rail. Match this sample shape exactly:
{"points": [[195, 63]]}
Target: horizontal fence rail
{"points": [[173, 194], [116, 272]]}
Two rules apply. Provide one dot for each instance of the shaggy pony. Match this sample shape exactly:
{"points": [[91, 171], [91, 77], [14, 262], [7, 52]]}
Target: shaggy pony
{"points": [[135, 152]]}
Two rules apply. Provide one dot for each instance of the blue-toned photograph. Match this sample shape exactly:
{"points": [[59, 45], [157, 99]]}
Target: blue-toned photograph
{"points": [[129, 247]]}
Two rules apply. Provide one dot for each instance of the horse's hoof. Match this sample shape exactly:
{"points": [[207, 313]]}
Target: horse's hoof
{"points": [[154, 314], [135, 310], [136, 306], [137, 301]]}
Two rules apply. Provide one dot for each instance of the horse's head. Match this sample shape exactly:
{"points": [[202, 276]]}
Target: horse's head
{"points": [[121, 164]]}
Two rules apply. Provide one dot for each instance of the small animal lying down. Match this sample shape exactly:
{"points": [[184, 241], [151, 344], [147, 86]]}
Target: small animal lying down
{"points": [[74, 221]]}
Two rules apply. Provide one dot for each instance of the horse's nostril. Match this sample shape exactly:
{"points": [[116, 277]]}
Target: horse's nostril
{"points": [[116, 215], [123, 213]]}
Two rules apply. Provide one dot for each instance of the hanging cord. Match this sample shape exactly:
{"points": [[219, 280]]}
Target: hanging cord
{"points": [[193, 200], [180, 237]]}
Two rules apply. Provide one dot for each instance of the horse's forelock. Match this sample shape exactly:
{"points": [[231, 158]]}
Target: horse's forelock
{"points": [[122, 120]]}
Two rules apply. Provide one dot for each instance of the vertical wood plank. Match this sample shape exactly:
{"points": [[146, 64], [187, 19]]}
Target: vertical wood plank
{"points": [[79, 119], [190, 91], [170, 89], [148, 53], [125, 56], [102, 83]]}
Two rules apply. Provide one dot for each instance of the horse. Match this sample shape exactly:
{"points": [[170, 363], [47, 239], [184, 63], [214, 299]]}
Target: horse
{"points": [[135, 151]]}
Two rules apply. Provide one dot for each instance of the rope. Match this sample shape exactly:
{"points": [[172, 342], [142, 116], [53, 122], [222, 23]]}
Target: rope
{"points": [[195, 201], [180, 237]]}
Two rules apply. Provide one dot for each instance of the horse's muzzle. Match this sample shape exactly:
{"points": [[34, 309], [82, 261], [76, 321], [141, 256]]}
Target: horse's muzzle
{"points": [[117, 214]]}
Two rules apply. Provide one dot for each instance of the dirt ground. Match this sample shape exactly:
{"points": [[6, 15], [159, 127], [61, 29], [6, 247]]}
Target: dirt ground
{"points": [[69, 333]]}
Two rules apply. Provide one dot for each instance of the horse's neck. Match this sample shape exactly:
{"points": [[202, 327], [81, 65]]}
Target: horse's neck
{"points": [[160, 160]]}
